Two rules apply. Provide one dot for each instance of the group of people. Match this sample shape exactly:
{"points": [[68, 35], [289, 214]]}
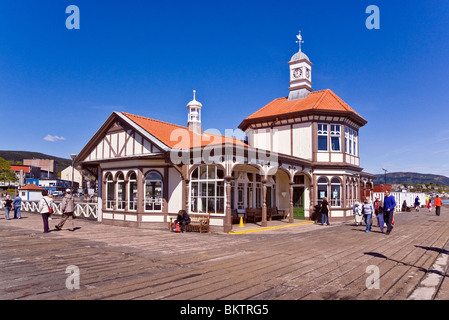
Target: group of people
{"points": [[383, 211], [46, 207], [438, 202], [12, 204]]}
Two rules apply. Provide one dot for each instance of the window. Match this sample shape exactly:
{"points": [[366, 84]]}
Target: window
{"points": [[322, 137], [335, 192], [335, 137], [351, 141], [322, 188], [207, 191], [153, 191], [110, 192], [132, 189], [121, 192]]}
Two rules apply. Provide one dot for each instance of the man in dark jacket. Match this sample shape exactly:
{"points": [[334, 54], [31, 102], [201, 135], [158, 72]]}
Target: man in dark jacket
{"points": [[67, 208], [183, 219]]}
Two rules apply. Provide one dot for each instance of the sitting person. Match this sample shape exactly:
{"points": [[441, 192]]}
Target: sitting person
{"points": [[183, 219]]}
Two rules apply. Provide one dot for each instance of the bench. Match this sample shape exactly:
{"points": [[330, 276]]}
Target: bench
{"points": [[253, 214], [275, 213], [198, 222]]}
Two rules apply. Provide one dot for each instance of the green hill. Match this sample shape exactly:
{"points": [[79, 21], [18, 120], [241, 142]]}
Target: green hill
{"points": [[411, 178], [60, 163]]}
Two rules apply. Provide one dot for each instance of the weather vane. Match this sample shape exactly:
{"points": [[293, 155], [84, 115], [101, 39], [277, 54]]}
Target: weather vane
{"points": [[299, 40]]}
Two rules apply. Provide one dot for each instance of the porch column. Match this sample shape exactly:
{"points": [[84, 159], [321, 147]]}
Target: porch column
{"points": [[187, 195], [140, 180], [290, 214], [228, 213], [264, 203], [100, 195]]}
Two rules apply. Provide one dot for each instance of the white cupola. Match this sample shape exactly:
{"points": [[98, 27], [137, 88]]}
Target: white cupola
{"points": [[194, 116], [300, 74]]}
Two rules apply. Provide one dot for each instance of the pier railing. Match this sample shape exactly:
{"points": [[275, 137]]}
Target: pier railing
{"points": [[82, 209]]}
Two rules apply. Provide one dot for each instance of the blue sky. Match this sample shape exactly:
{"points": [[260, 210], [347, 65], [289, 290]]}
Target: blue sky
{"points": [[146, 57]]}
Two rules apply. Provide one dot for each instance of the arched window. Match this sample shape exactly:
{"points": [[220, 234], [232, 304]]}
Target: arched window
{"points": [[110, 192], [335, 192], [121, 192], [132, 191], [322, 189], [153, 191], [207, 192]]}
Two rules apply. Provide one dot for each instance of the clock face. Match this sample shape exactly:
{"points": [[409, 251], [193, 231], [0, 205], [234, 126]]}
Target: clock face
{"points": [[297, 73], [308, 74]]}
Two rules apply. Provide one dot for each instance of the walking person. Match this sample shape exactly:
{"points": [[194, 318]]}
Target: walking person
{"points": [[357, 212], [438, 203], [429, 205], [68, 205], [417, 203], [389, 205], [379, 211], [17, 203], [325, 211], [368, 210], [45, 209], [8, 206]]}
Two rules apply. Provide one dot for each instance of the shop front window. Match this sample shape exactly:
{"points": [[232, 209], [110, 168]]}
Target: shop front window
{"points": [[335, 192], [207, 190], [153, 192]]}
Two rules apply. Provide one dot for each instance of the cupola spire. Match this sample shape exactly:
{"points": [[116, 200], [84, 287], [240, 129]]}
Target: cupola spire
{"points": [[194, 115]]}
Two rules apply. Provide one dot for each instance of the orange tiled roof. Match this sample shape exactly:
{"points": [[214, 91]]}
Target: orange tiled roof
{"points": [[31, 187], [323, 100], [163, 130], [25, 169]]}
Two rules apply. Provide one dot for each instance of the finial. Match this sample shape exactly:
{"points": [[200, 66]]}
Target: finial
{"points": [[299, 40], [194, 92]]}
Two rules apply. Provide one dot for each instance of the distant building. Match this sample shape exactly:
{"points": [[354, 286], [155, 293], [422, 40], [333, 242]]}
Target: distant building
{"points": [[31, 192], [47, 167], [53, 185], [382, 187], [66, 175]]}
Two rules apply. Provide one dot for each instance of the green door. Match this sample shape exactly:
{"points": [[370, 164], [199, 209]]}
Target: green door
{"points": [[298, 202]]}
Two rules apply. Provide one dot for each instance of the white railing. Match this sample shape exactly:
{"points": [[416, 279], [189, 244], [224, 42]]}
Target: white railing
{"points": [[82, 209]]}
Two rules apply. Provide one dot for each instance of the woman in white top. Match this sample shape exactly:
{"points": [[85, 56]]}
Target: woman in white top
{"points": [[357, 212], [45, 209]]}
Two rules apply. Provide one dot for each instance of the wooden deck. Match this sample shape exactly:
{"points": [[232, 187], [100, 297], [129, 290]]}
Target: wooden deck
{"points": [[306, 261]]}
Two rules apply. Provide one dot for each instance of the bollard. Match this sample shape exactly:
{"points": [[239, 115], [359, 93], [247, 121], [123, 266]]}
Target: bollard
{"points": [[241, 223]]}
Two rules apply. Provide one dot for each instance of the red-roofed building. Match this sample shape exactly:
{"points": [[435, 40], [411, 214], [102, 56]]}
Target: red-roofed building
{"points": [[31, 192], [299, 149]]}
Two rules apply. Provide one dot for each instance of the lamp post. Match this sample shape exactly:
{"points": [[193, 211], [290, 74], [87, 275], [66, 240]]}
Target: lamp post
{"points": [[73, 156], [385, 175]]}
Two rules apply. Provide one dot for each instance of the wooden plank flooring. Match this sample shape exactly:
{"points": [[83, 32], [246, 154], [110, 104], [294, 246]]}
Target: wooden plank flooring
{"points": [[309, 262]]}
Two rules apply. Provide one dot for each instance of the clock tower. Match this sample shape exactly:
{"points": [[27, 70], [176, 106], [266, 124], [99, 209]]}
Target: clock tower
{"points": [[300, 74]]}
